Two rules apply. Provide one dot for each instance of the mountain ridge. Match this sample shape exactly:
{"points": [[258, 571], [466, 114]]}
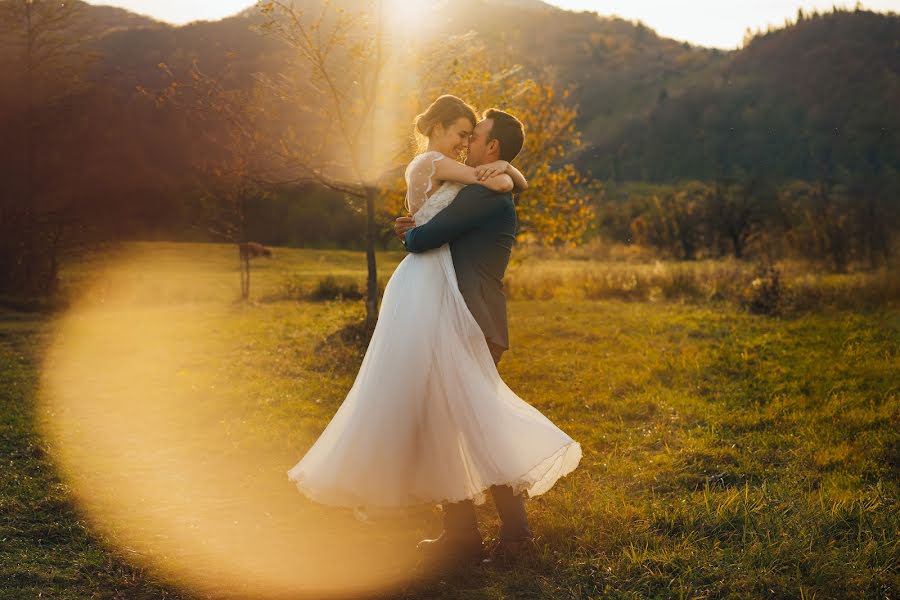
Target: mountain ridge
{"points": [[650, 107]]}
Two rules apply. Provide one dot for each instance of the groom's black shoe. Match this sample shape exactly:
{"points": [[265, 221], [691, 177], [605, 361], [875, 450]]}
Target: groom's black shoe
{"points": [[454, 549]]}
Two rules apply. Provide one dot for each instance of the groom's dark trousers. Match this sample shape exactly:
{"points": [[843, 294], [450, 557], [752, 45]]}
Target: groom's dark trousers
{"points": [[480, 227]]}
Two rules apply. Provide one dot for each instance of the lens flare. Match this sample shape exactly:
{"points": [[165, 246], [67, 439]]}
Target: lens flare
{"points": [[166, 464]]}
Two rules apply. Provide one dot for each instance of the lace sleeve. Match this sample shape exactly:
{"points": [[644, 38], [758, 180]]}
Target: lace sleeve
{"points": [[418, 179]]}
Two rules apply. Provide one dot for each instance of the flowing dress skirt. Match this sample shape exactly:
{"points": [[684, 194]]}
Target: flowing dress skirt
{"points": [[428, 418]]}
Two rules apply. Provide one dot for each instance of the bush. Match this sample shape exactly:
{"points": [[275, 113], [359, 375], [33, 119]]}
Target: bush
{"points": [[295, 287], [764, 294], [336, 288], [621, 284], [681, 284]]}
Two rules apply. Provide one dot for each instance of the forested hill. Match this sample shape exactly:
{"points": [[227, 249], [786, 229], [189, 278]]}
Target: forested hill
{"points": [[815, 98], [804, 101]]}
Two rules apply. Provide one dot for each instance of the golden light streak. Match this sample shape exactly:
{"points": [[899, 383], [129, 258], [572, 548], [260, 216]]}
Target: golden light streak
{"points": [[166, 467]]}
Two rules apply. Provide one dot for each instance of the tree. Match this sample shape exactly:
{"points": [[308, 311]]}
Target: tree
{"points": [[336, 82], [350, 133], [558, 207], [231, 154], [674, 220], [738, 210], [43, 63], [824, 221]]}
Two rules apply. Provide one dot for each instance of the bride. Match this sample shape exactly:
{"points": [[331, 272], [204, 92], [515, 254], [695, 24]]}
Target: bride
{"points": [[428, 419]]}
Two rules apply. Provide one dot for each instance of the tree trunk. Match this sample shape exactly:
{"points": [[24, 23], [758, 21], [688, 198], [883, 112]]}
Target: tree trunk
{"points": [[246, 291], [244, 254], [241, 214], [372, 279], [737, 243]]}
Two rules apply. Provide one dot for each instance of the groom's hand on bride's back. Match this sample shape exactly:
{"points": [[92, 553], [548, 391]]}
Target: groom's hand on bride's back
{"points": [[402, 225]]}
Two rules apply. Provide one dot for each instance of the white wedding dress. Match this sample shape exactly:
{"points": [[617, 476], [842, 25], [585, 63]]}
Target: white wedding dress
{"points": [[428, 418]]}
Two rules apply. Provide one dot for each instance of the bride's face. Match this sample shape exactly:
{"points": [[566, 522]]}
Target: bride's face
{"points": [[452, 140]]}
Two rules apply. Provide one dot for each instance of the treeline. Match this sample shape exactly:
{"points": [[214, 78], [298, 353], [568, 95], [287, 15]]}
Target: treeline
{"points": [[816, 99], [86, 156], [827, 222], [312, 216]]}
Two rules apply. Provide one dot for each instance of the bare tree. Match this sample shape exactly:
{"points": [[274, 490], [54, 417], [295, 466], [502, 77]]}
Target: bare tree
{"points": [[337, 84], [321, 120], [875, 216], [674, 220], [42, 65], [829, 214], [824, 223], [738, 209], [231, 152]]}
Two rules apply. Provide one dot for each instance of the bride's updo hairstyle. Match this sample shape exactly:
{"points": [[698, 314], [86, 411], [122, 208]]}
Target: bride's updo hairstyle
{"points": [[445, 110]]}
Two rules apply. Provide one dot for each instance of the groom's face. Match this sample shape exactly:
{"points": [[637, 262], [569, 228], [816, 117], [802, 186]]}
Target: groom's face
{"points": [[480, 150]]}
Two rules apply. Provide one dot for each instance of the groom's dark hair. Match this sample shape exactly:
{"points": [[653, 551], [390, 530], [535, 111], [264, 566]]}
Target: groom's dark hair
{"points": [[507, 130]]}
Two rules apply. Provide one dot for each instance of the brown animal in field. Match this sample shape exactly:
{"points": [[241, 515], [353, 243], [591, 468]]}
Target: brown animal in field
{"points": [[250, 249]]}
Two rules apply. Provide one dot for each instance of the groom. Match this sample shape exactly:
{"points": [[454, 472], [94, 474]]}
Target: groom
{"points": [[480, 226]]}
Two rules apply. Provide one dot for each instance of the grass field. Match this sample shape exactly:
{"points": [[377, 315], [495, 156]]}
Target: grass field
{"points": [[146, 432]]}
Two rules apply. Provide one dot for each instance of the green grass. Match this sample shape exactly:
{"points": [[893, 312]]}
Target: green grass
{"points": [[726, 454], [47, 548]]}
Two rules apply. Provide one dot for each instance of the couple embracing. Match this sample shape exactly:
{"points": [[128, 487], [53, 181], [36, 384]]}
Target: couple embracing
{"points": [[428, 419]]}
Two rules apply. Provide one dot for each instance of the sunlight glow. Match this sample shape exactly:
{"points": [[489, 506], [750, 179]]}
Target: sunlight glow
{"points": [[407, 16], [149, 440]]}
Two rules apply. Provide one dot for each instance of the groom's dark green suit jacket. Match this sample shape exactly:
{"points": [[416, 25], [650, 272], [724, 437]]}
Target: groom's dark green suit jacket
{"points": [[480, 226]]}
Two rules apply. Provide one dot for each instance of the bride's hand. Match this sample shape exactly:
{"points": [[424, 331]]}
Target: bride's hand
{"points": [[499, 183], [492, 169], [403, 224]]}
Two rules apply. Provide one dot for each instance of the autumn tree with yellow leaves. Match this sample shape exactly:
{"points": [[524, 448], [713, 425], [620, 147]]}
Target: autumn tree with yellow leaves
{"points": [[558, 207], [360, 94]]}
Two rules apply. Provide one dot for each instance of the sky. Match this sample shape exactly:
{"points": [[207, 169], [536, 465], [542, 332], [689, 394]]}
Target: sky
{"points": [[713, 23]]}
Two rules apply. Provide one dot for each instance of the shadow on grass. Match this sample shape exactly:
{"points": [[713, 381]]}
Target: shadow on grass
{"points": [[48, 547]]}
